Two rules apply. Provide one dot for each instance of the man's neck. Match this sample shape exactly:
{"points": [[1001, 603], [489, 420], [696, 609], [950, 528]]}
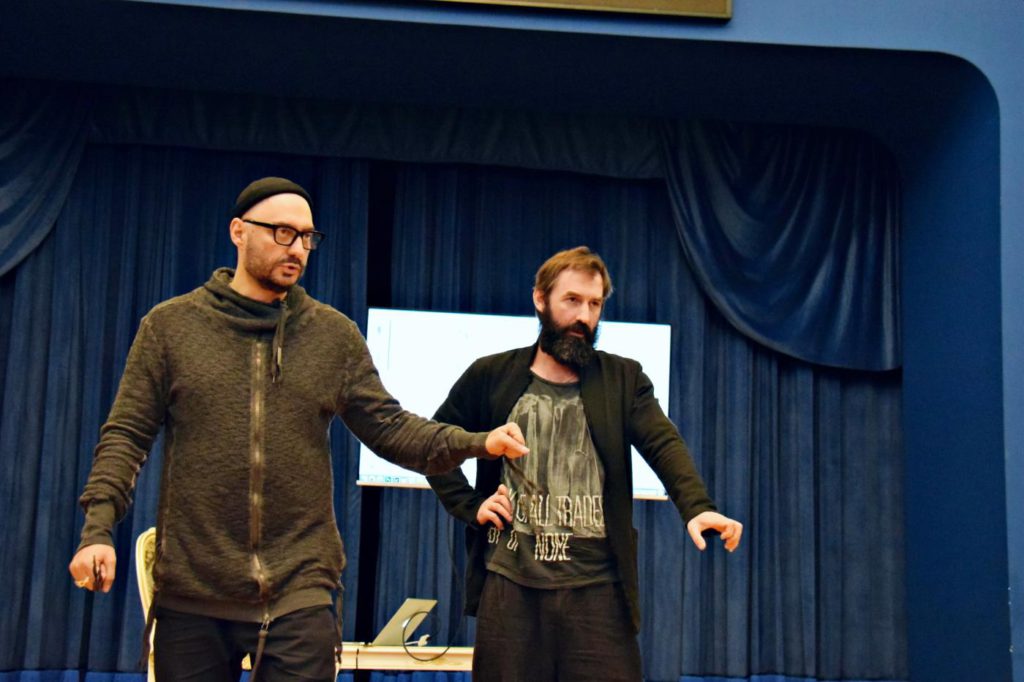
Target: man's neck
{"points": [[249, 288], [546, 367]]}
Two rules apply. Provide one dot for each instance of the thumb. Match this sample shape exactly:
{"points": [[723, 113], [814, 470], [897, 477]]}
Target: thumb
{"points": [[695, 530]]}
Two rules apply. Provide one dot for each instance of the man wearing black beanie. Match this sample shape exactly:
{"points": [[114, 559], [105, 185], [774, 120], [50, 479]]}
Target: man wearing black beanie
{"points": [[246, 373]]}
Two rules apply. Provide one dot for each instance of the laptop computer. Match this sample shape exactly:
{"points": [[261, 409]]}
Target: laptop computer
{"points": [[405, 621]]}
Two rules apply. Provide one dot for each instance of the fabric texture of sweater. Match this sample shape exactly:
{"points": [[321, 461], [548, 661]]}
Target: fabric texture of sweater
{"points": [[246, 392], [618, 400]]}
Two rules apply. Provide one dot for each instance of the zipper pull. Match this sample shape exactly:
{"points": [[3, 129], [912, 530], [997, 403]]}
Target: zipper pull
{"points": [[260, 643]]}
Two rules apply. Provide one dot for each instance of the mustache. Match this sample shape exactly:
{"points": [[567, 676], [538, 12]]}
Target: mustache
{"points": [[579, 327], [292, 260]]}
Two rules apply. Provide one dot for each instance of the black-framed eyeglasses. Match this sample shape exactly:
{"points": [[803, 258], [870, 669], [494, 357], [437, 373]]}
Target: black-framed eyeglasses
{"points": [[285, 235]]}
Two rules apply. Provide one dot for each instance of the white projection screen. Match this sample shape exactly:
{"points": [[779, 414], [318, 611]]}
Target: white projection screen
{"points": [[421, 354]]}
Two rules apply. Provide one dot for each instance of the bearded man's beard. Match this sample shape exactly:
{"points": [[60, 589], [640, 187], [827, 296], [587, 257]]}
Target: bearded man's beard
{"points": [[564, 347]]}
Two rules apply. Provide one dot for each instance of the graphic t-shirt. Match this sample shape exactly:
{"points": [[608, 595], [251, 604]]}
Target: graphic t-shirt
{"points": [[557, 536]]}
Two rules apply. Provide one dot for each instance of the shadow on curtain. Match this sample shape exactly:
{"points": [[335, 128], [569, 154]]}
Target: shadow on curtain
{"points": [[141, 224], [809, 458]]}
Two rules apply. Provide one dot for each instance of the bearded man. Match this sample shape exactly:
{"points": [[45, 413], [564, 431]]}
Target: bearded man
{"points": [[552, 571]]}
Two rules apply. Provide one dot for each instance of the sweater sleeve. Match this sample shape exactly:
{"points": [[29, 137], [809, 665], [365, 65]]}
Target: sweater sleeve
{"points": [[126, 438], [660, 443], [397, 435]]}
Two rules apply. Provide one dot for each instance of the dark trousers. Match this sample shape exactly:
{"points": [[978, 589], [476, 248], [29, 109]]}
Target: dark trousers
{"points": [[299, 646], [530, 635]]}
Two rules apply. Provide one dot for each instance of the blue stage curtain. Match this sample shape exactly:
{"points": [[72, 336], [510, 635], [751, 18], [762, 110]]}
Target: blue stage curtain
{"points": [[141, 224], [809, 458], [42, 135], [793, 233]]}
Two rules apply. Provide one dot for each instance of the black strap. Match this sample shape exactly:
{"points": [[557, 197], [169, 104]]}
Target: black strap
{"points": [[147, 633]]}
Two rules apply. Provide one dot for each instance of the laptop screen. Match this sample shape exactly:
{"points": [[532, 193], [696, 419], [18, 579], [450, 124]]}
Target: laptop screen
{"points": [[405, 621]]}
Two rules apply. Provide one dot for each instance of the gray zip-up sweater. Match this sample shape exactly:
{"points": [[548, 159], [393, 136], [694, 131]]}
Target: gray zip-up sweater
{"points": [[246, 524]]}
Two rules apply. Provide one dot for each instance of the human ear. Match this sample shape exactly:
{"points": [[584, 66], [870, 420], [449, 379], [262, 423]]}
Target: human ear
{"points": [[538, 300], [237, 231]]}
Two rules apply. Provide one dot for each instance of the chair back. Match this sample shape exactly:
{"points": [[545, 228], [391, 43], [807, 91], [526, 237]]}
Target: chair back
{"points": [[145, 557]]}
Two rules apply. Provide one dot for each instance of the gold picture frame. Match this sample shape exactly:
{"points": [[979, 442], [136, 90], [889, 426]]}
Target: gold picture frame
{"points": [[705, 9]]}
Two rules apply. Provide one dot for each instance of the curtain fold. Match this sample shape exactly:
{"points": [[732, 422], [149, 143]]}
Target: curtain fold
{"points": [[792, 231], [605, 145], [793, 234], [141, 224], [42, 135], [808, 458]]}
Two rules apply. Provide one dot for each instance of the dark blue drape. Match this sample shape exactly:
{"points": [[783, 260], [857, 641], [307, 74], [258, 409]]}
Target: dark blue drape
{"points": [[42, 135], [792, 232], [809, 458], [603, 145], [140, 224]]}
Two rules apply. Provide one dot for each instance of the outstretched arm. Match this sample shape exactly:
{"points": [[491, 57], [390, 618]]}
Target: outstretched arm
{"points": [[406, 439], [662, 445]]}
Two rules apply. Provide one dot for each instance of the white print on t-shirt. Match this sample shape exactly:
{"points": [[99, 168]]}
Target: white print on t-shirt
{"points": [[562, 511], [556, 492], [539, 511], [552, 547]]}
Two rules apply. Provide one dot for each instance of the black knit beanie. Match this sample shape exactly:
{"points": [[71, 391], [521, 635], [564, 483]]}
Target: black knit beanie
{"points": [[266, 187]]}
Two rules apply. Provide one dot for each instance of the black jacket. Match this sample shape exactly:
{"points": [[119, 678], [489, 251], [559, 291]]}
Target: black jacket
{"points": [[621, 410]]}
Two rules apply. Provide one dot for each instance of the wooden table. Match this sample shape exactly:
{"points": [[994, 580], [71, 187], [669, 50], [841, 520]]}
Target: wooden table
{"points": [[358, 656]]}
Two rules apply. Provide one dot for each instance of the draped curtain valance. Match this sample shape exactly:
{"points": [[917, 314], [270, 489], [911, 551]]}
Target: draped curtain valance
{"points": [[792, 232], [42, 135]]}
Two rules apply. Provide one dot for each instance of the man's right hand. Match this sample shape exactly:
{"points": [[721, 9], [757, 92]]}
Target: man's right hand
{"points": [[495, 508], [92, 561], [507, 440]]}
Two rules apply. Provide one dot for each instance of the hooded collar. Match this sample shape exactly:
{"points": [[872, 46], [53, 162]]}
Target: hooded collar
{"points": [[248, 312], [250, 315]]}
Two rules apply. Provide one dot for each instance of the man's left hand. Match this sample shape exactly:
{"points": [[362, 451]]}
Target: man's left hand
{"points": [[507, 440], [729, 530]]}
